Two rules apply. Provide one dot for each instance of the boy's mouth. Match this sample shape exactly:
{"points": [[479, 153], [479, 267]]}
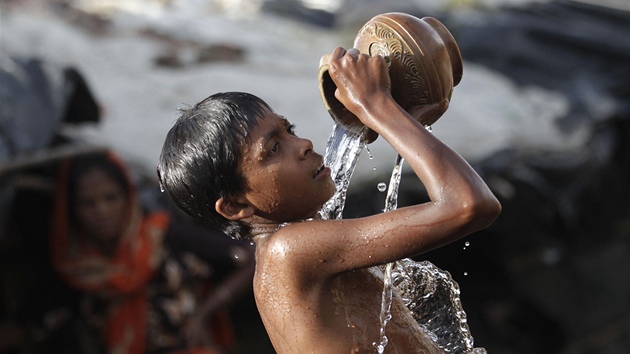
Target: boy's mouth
{"points": [[319, 171]]}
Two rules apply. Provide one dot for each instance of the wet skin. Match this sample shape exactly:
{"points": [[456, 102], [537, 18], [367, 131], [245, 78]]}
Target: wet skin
{"points": [[100, 207], [312, 285], [287, 180]]}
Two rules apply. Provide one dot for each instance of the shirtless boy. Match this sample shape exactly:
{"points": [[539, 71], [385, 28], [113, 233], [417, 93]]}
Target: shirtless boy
{"points": [[233, 162]]}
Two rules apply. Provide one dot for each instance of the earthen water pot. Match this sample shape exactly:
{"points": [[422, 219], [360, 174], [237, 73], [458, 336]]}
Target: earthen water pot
{"points": [[424, 65]]}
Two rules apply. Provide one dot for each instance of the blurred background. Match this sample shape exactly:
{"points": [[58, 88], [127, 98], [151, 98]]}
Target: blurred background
{"points": [[542, 113]]}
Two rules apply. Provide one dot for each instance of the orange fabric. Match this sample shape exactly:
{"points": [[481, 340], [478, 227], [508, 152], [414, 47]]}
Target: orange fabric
{"points": [[121, 280]]}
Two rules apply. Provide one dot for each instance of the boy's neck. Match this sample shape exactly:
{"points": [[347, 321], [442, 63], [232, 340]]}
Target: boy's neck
{"points": [[263, 229]]}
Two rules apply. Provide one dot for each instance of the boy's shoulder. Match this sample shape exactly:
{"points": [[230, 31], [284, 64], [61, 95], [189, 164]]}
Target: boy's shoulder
{"points": [[296, 242], [294, 234]]}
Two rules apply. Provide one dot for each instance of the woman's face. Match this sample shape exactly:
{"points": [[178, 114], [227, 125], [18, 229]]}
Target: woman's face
{"points": [[101, 206]]}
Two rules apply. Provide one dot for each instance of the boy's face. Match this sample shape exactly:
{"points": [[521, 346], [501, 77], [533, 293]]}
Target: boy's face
{"points": [[287, 180]]}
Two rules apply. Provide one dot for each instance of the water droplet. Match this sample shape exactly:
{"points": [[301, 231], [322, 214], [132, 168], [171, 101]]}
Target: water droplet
{"points": [[465, 273], [382, 187], [467, 243]]}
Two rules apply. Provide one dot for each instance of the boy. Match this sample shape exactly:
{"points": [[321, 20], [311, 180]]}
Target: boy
{"points": [[233, 162]]}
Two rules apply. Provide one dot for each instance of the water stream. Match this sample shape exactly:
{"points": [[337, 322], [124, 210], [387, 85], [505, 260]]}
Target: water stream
{"points": [[342, 153], [391, 203], [430, 293]]}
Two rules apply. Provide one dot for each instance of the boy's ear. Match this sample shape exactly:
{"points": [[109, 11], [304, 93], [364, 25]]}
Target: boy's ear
{"points": [[233, 210]]}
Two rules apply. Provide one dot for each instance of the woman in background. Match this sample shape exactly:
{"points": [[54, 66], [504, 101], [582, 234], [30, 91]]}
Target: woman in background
{"points": [[144, 276]]}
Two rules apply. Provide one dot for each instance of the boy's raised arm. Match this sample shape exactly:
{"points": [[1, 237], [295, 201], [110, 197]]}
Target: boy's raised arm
{"points": [[460, 202]]}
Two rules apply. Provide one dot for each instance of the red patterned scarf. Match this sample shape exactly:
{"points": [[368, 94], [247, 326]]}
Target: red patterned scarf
{"points": [[120, 279]]}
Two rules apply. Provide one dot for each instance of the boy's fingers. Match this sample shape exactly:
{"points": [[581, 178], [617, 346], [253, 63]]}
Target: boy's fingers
{"points": [[354, 52], [338, 53]]}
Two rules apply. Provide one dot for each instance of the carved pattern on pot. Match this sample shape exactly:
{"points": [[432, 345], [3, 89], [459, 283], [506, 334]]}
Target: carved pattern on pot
{"points": [[424, 65], [386, 43]]}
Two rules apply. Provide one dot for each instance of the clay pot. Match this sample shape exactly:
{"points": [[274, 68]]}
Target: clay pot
{"points": [[424, 65]]}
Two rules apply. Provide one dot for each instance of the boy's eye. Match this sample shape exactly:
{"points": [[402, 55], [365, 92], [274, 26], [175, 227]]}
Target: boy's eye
{"points": [[273, 149]]}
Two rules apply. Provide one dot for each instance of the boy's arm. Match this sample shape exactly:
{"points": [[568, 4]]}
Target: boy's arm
{"points": [[460, 202]]}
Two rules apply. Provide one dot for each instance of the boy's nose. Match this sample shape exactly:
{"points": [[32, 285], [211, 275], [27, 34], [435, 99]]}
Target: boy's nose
{"points": [[306, 147]]}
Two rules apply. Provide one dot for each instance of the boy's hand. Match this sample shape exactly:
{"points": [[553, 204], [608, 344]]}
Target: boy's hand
{"points": [[361, 80]]}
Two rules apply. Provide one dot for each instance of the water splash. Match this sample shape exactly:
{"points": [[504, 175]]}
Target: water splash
{"points": [[431, 295]]}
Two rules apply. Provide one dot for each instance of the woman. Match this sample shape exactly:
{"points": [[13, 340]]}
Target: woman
{"points": [[143, 274]]}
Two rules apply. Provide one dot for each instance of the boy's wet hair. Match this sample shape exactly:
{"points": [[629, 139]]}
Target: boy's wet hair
{"points": [[201, 154]]}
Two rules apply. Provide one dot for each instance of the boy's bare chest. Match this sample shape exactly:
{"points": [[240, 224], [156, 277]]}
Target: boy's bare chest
{"points": [[358, 295], [344, 312]]}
